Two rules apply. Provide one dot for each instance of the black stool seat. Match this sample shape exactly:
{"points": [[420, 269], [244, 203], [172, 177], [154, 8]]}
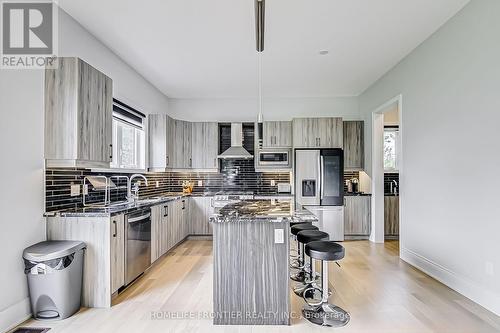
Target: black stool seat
{"points": [[301, 227], [297, 222], [307, 236], [325, 250]]}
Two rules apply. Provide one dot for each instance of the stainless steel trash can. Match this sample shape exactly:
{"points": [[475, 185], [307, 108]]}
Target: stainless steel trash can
{"points": [[55, 272]]}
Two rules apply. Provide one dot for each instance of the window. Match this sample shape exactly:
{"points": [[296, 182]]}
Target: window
{"points": [[129, 147], [391, 148]]}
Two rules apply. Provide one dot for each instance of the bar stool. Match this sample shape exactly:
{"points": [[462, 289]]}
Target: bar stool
{"points": [[309, 283], [292, 236], [323, 313], [300, 262]]}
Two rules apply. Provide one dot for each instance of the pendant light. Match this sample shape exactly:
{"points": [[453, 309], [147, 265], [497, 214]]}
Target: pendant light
{"points": [[259, 39]]}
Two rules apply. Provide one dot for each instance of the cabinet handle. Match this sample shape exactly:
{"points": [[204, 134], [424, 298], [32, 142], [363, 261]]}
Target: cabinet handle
{"points": [[111, 151], [191, 162], [116, 229], [168, 160], [319, 142], [183, 204], [215, 162], [165, 211]]}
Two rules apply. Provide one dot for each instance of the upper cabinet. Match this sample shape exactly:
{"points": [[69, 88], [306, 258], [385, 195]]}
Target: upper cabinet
{"points": [[205, 145], [78, 115], [317, 133], [161, 140], [180, 145], [354, 154], [277, 134]]}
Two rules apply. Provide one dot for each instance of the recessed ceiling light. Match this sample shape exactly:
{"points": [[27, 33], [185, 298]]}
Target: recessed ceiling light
{"points": [[323, 52]]}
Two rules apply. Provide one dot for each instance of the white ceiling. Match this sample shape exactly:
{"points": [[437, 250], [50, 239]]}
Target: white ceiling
{"points": [[206, 49]]}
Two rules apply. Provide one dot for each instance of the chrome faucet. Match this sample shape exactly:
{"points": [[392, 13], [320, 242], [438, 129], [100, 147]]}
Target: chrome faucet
{"points": [[135, 196], [394, 186]]}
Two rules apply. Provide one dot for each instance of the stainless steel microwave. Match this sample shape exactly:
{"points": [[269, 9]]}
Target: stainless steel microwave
{"points": [[278, 158]]}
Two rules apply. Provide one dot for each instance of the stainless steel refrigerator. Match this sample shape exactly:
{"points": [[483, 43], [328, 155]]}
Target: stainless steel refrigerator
{"points": [[319, 187]]}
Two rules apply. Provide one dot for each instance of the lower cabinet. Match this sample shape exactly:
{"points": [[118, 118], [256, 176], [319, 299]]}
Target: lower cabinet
{"points": [[104, 259], [200, 210], [117, 252], [391, 216], [169, 226], [357, 216]]}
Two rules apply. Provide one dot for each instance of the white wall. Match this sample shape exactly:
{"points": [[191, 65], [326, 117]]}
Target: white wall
{"points": [[22, 192], [223, 109], [21, 139], [450, 117]]}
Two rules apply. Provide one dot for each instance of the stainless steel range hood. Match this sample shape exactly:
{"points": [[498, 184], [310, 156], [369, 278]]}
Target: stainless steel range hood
{"points": [[236, 151]]}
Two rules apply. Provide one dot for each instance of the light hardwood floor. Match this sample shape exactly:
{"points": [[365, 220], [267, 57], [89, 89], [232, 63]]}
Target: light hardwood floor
{"points": [[381, 292]]}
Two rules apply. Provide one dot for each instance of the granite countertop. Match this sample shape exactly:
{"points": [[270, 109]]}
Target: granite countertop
{"points": [[261, 210], [120, 208]]}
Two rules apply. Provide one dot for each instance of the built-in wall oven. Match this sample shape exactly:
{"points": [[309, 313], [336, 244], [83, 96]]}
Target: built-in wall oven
{"points": [[137, 243], [274, 158]]}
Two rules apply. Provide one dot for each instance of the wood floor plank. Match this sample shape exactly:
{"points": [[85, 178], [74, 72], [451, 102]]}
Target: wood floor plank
{"points": [[381, 292]]}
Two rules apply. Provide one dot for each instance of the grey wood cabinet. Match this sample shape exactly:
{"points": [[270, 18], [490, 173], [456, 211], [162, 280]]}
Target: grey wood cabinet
{"points": [[357, 216], [78, 115], [182, 144], [354, 153], [391, 215], [277, 134], [200, 210], [317, 132], [96, 232], [117, 252], [161, 141], [156, 233], [205, 145]]}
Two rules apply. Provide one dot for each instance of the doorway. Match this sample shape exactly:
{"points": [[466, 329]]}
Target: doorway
{"points": [[387, 166]]}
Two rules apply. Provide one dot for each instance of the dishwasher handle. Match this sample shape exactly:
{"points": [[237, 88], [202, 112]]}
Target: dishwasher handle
{"points": [[139, 218]]}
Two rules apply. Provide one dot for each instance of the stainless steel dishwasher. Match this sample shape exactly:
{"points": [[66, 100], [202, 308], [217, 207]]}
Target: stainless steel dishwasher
{"points": [[137, 243]]}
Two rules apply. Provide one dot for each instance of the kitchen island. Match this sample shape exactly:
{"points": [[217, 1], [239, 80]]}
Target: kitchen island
{"points": [[251, 250]]}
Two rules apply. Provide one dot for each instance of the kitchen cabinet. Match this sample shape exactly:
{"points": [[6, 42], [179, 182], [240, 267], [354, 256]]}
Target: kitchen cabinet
{"points": [[357, 216], [277, 134], [161, 141], [156, 232], [78, 115], [391, 216], [182, 144], [102, 273], [117, 252], [205, 145], [317, 133], [354, 154], [200, 210]]}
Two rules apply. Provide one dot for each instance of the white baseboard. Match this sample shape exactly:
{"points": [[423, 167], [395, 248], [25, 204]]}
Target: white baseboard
{"points": [[15, 315], [486, 298]]}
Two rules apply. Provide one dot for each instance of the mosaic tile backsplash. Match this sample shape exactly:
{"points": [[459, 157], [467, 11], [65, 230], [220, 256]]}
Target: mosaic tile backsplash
{"points": [[235, 175]]}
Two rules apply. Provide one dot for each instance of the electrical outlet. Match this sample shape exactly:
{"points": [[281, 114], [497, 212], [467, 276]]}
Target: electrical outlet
{"points": [[279, 236], [75, 190], [200, 183], [157, 184], [490, 268], [273, 182]]}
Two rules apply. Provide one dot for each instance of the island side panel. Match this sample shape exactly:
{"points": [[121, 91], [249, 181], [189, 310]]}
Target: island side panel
{"points": [[251, 274], [95, 232]]}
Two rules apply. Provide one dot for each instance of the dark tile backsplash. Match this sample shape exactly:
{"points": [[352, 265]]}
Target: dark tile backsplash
{"points": [[389, 177], [235, 175]]}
